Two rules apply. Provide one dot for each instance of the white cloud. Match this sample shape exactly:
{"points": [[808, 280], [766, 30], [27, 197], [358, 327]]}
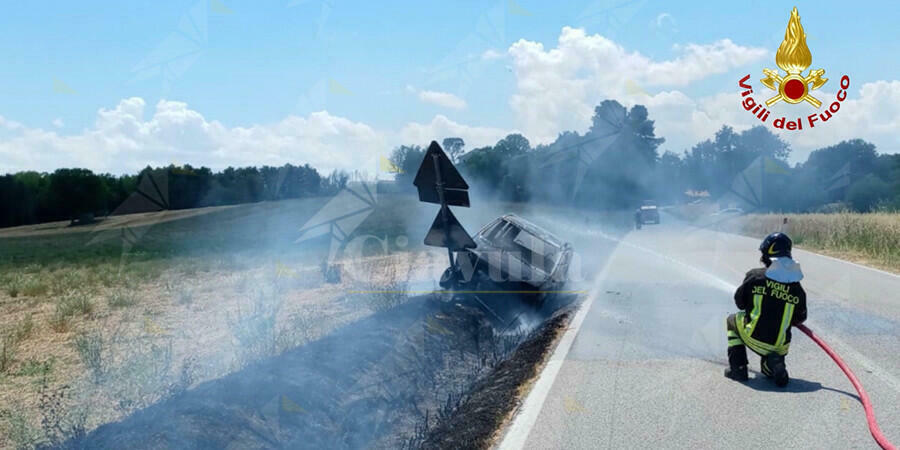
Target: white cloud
{"points": [[130, 136], [442, 99], [58, 123], [490, 55], [441, 127], [9, 124], [558, 88], [122, 140], [871, 112]]}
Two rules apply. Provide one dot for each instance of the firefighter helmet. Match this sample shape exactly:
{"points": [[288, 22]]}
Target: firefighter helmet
{"points": [[776, 245]]}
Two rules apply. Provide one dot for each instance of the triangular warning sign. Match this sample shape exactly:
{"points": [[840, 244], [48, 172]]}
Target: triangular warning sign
{"points": [[427, 177], [454, 237]]}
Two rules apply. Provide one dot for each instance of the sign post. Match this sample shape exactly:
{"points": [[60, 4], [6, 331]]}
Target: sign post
{"points": [[439, 182]]}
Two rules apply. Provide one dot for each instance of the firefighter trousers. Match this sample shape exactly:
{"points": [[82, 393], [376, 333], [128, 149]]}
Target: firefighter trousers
{"points": [[737, 351]]}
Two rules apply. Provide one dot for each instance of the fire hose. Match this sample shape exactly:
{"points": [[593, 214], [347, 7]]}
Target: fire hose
{"points": [[863, 397]]}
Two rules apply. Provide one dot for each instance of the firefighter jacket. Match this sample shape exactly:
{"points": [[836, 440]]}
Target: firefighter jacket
{"points": [[771, 301]]}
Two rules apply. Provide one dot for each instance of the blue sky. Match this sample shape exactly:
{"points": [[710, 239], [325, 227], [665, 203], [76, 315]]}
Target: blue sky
{"points": [[250, 63]]}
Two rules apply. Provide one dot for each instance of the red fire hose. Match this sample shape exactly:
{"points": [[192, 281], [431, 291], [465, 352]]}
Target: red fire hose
{"points": [[863, 397]]}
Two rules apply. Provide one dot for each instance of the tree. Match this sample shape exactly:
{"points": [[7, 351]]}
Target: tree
{"points": [[334, 182], [836, 167], [407, 159], [74, 192], [759, 141], [859, 154], [620, 176], [512, 145], [713, 164], [866, 193], [453, 146]]}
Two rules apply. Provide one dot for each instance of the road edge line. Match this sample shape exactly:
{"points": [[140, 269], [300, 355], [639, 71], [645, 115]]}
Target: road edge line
{"points": [[518, 431]]}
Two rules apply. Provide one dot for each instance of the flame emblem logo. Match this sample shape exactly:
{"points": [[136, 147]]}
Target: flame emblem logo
{"points": [[793, 57]]}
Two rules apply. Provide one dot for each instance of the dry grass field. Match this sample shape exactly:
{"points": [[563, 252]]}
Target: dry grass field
{"points": [[871, 239], [100, 321]]}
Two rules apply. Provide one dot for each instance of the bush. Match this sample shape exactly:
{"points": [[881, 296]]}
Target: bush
{"points": [[75, 303], [122, 298], [68, 306], [253, 329], [90, 349], [33, 367], [35, 288], [7, 353], [14, 285], [10, 340], [17, 428]]}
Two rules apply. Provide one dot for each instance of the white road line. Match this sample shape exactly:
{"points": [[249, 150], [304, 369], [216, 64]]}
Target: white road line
{"points": [[517, 433], [851, 263], [892, 381]]}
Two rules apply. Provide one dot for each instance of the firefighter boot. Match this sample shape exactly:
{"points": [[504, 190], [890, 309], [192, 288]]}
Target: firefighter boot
{"points": [[772, 366], [737, 363], [737, 352]]}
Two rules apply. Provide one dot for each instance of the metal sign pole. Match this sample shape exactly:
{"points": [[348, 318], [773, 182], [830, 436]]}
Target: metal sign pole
{"points": [[439, 184]]}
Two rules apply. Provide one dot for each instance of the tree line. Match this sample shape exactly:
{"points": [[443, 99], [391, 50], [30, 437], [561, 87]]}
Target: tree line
{"points": [[616, 164], [69, 194]]}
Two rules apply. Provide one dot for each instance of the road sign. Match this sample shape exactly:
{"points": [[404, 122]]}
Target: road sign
{"points": [[437, 163], [450, 234], [439, 182]]}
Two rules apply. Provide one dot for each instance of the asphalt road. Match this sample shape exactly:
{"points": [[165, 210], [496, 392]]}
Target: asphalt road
{"points": [[641, 366]]}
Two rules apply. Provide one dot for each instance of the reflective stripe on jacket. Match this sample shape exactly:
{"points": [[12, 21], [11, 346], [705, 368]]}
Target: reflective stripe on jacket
{"points": [[768, 309]]}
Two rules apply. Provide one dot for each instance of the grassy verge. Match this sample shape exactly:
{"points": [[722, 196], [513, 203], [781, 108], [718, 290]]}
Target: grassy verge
{"points": [[871, 239], [479, 418], [105, 321]]}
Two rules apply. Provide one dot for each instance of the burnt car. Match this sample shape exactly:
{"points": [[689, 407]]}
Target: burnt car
{"points": [[512, 256]]}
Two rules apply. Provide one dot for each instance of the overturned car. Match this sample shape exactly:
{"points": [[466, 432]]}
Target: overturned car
{"points": [[512, 256], [510, 266]]}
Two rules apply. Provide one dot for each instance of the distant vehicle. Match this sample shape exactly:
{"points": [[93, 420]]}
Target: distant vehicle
{"points": [[728, 212], [647, 213], [512, 255]]}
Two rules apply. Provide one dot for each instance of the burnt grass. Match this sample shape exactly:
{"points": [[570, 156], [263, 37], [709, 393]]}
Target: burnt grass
{"points": [[426, 374], [474, 423]]}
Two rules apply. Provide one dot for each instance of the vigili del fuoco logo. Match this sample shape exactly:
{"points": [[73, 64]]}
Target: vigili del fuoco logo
{"points": [[793, 57]]}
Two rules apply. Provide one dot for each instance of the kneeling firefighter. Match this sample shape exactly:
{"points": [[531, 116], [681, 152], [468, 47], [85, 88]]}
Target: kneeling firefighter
{"points": [[771, 300]]}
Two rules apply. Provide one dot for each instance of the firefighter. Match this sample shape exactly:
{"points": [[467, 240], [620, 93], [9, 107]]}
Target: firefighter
{"points": [[771, 300]]}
